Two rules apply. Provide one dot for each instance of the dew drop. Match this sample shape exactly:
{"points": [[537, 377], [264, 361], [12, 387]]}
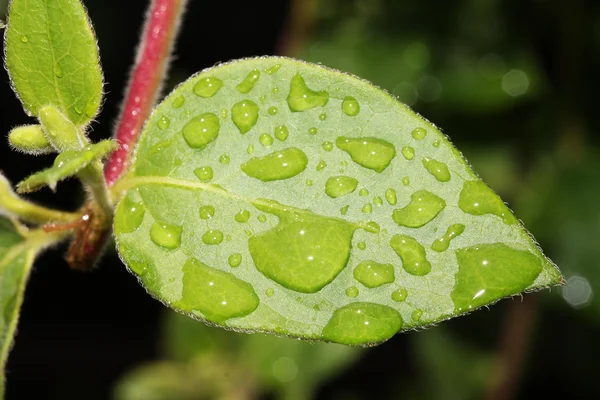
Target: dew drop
{"points": [[201, 130], [263, 98], [437, 168], [250, 149], [406, 181], [443, 243], [242, 216], [309, 182], [312, 131], [207, 87], [224, 159], [372, 227], [204, 173], [361, 245], [244, 115], [270, 292], [412, 254], [362, 323], [224, 113], [321, 165], [373, 274], [419, 133], [247, 84], [323, 117], [163, 122], [279, 165], [166, 235], [363, 192], [273, 69], [327, 146], [367, 208], [266, 139], [130, 215], [281, 132], [212, 236], [207, 212], [58, 71], [476, 198], [344, 210], [378, 201], [302, 98], [273, 110], [275, 90], [217, 294], [436, 143], [408, 152], [262, 218], [178, 101], [341, 185], [24, 39], [424, 206], [352, 291], [399, 295], [372, 153], [416, 315], [234, 260], [390, 196], [350, 106]]}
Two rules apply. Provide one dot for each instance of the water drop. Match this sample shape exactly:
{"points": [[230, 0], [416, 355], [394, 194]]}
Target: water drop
{"points": [[302, 98], [207, 87], [270, 292], [367, 208], [327, 146], [323, 117], [244, 115], [224, 113], [263, 98], [279, 165], [476, 198], [352, 291], [350, 106], [312, 131], [217, 294], [201, 130], [166, 235], [242, 216], [224, 159], [212, 236], [344, 210], [321, 165], [337, 186], [248, 83], [419, 133], [362, 323], [361, 245], [406, 181], [390, 196], [412, 254], [399, 295], [309, 182], [275, 90], [281, 132], [416, 315], [372, 153], [207, 212], [424, 206], [63, 158], [130, 215], [204, 173], [372, 227], [266, 139], [363, 192], [443, 243], [378, 201], [234, 260], [262, 218], [163, 122], [24, 39], [250, 149], [437, 168], [373, 274], [58, 71], [436, 143], [408, 152], [178, 101], [273, 69]]}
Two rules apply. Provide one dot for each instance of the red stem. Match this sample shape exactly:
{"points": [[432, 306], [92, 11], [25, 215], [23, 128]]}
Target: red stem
{"points": [[150, 66]]}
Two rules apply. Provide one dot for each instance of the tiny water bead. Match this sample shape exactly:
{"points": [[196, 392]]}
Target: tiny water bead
{"points": [[416, 315], [263, 98], [327, 146], [424, 206], [367, 208], [242, 216], [406, 181], [266, 139], [491, 271], [309, 182], [207, 212], [201, 130], [58, 71], [163, 122], [408, 152], [131, 215], [372, 227], [204, 173], [207, 87], [361, 245], [378, 201], [24, 39], [344, 209], [302, 98], [212, 237], [369, 152], [273, 110], [352, 291], [364, 192], [312, 131], [350, 106], [166, 235], [341, 185], [412, 254], [250, 149], [244, 115], [436, 143], [437, 168], [321, 165], [224, 113], [373, 274], [323, 117], [247, 84], [262, 218], [281, 132], [275, 90], [279, 165], [224, 159], [390, 196], [443, 243], [362, 323], [399, 295], [273, 69], [477, 198], [178, 101], [218, 295], [234, 260], [419, 133], [270, 292]]}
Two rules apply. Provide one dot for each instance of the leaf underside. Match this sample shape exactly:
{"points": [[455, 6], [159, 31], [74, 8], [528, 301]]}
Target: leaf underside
{"points": [[273, 195]]}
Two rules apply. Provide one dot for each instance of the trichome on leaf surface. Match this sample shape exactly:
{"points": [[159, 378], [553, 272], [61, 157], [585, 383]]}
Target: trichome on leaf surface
{"points": [[264, 195]]}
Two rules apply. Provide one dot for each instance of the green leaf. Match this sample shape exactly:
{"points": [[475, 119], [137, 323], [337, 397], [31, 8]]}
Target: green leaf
{"points": [[15, 264], [66, 164], [253, 209], [52, 58]]}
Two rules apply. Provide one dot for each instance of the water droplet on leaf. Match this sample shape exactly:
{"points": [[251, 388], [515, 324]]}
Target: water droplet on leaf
{"points": [[372, 153], [212, 236], [436, 168], [201, 130], [373, 274], [412, 254], [424, 206], [337, 186], [279, 165], [204, 173], [350, 106], [443, 243], [248, 83], [166, 235], [302, 98], [207, 87], [244, 115]]}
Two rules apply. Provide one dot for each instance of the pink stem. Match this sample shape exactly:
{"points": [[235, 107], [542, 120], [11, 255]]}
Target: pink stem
{"points": [[146, 79]]}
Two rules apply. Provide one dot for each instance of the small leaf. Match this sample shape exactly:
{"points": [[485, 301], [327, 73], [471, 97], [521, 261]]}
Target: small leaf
{"points": [[359, 222], [15, 264], [66, 165], [52, 58], [30, 139]]}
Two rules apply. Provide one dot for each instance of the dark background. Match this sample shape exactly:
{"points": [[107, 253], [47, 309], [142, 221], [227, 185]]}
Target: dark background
{"points": [[79, 333]]}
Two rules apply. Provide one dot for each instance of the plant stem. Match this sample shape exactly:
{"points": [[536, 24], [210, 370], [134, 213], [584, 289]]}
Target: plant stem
{"points": [[146, 80]]}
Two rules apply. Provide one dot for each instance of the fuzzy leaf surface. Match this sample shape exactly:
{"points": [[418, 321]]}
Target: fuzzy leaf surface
{"points": [[278, 196]]}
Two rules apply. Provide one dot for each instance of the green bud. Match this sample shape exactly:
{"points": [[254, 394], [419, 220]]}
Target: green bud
{"points": [[60, 132], [30, 139]]}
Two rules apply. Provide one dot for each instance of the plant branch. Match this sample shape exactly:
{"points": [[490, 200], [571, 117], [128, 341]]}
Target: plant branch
{"points": [[146, 79]]}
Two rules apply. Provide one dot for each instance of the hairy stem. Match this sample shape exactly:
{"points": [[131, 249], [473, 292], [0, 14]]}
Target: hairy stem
{"points": [[146, 79]]}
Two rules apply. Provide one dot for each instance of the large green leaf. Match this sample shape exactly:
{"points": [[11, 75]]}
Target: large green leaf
{"points": [[15, 263], [274, 195], [52, 57]]}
